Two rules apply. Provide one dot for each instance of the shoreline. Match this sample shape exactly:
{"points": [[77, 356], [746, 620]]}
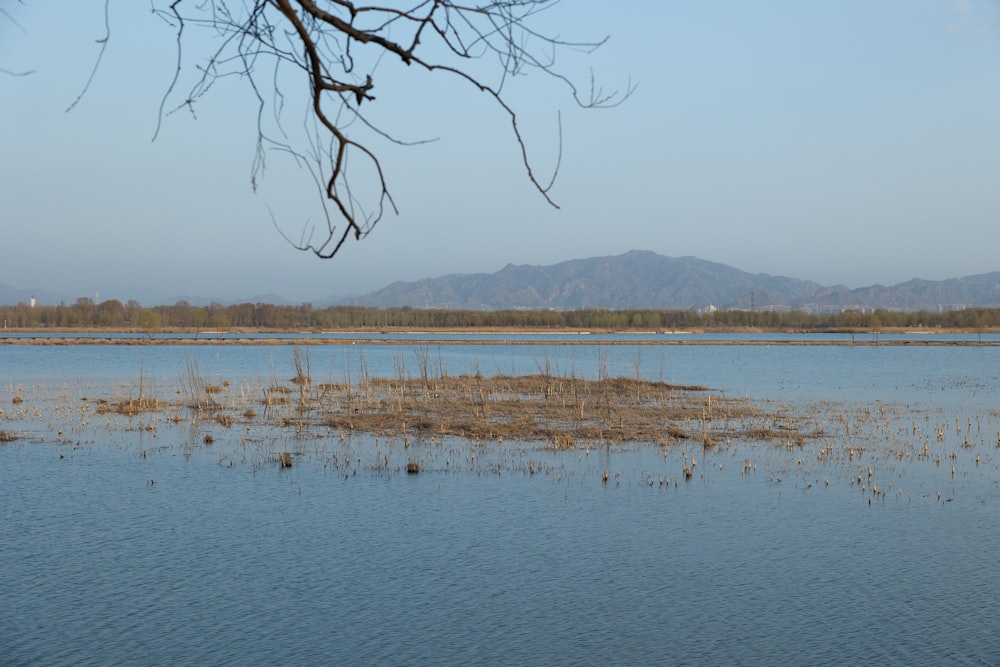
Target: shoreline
{"points": [[180, 336]]}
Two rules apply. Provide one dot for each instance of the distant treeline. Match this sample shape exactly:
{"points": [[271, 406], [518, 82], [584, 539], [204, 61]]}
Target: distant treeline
{"points": [[84, 313]]}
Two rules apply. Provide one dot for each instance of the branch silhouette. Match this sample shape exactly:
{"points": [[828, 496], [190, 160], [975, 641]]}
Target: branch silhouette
{"points": [[336, 48]]}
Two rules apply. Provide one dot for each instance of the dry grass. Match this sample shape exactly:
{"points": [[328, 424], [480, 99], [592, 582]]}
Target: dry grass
{"points": [[562, 411], [435, 422], [129, 407]]}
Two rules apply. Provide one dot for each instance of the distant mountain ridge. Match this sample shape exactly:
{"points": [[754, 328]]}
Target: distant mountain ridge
{"points": [[638, 279], [642, 279]]}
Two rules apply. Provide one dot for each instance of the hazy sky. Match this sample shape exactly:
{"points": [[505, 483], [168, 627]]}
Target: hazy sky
{"points": [[841, 141]]}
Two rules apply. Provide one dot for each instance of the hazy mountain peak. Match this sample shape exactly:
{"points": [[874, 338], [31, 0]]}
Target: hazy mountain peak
{"points": [[644, 279], [637, 279]]}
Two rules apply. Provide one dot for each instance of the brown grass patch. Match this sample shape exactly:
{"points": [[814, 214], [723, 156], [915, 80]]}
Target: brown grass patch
{"points": [[130, 407], [559, 412], [562, 411]]}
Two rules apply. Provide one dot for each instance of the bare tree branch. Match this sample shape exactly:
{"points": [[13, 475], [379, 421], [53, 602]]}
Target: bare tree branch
{"points": [[100, 55], [8, 72], [13, 20], [336, 48], [3, 70]]}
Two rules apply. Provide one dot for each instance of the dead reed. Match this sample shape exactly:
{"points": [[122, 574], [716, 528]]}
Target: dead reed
{"points": [[197, 391], [436, 423], [128, 407], [561, 411]]}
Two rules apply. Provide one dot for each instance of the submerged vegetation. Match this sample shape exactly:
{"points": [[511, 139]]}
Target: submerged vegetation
{"points": [[549, 422], [554, 411]]}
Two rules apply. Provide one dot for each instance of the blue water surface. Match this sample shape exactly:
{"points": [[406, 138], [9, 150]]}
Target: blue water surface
{"points": [[111, 558], [124, 546]]}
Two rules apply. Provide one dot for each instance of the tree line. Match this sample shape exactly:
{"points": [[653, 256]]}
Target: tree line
{"points": [[85, 313]]}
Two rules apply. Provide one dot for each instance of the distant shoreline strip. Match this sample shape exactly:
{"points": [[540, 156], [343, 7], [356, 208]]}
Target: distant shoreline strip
{"points": [[243, 341]]}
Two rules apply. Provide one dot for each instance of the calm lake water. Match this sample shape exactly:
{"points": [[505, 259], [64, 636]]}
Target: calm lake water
{"points": [[125, 545]]}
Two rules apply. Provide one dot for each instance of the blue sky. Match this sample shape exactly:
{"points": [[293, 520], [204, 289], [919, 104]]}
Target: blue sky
{"points": [[846, 141]]}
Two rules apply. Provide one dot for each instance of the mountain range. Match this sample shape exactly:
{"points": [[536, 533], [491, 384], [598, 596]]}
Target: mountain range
{"points": [[642, 279], [638, 279]]}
